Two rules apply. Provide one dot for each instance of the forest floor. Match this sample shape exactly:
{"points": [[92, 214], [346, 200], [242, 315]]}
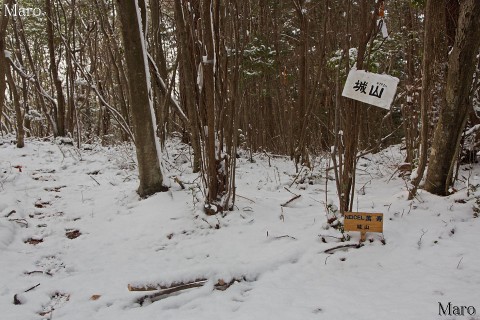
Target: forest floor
{"points": [[74, 235]]}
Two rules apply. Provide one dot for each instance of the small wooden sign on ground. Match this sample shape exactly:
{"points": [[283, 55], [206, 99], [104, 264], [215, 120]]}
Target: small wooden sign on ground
{"points": [[363, 222]]}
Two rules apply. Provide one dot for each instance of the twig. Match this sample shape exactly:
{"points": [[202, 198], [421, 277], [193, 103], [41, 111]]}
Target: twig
{"points": [[32, 288], [94, 179], [10, 213], [291, 200], [177, 180], [244, 198], [291, 184], [419, 243], [22, 222], [338, 238], [458, 265], [289, 191], [394, 172], [38, 271], [285, 236], [269, 158], [17, 301]]}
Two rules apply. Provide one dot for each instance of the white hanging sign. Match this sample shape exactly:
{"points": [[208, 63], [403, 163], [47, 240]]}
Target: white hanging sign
{"points": [[375, 89]]}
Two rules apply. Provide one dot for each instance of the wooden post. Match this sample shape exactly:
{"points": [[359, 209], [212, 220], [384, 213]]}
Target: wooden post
{"points": [[363, 236]]}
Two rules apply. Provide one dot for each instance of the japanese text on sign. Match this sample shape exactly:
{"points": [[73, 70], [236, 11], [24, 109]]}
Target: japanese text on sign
{"points": [[363, 222], [375, 89]]}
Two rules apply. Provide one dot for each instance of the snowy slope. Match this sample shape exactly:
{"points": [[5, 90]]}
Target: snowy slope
{"points": [[51, 192]]}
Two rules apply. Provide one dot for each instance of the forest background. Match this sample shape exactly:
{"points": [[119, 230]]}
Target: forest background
{"points": [[264, 76]]}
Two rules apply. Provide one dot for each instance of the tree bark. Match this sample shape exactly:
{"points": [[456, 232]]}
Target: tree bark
{"points": [[144, 123], [59, 111], [209, 78], [188, 85], [461, 66], [3, 61], [117, 64], [18, 110], [434, 56]]}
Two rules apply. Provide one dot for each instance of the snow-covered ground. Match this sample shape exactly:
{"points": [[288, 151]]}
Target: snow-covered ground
{"points": [[73, 230]]}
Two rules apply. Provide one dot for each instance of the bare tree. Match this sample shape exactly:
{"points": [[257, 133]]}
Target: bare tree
{"points": [[18, 110], [144, 123], [59, 104], [434, 55], [3, 63], [448, 132]]}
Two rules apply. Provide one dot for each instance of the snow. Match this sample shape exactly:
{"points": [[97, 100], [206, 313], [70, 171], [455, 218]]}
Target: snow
{"points": [[431, 253], [472, 130], [200, 76]]}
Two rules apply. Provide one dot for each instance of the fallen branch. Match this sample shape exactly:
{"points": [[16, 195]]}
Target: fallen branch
{"points": [[154, 287], [21, 222], [285, 236], [291, 200], [166, 292], [177, 287], [345, 246], [38, 272]]}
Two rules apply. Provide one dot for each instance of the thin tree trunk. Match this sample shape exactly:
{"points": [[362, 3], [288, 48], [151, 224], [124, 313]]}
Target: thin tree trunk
{"points": [[188, 83], [59, 110], [116, 61], [18, 110], [26, 120], [209, 94], [41, 94]]}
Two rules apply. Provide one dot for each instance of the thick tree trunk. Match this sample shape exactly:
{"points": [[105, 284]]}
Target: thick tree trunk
{"points": [[461, 65], [434, 57], [3, 62], [148, 152]]}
